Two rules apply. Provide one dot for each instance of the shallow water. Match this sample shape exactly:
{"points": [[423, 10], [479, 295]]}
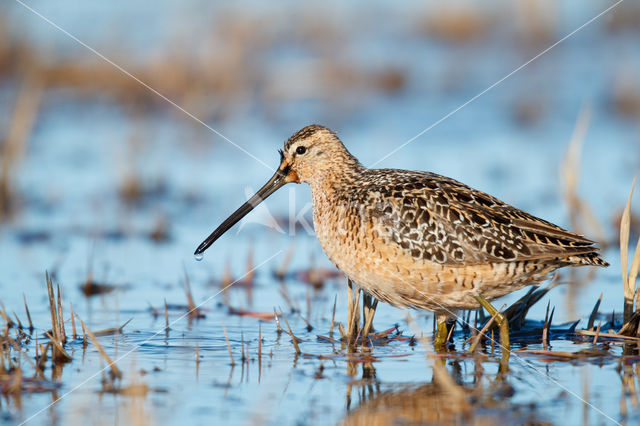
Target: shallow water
{"points": [[71, 221]]}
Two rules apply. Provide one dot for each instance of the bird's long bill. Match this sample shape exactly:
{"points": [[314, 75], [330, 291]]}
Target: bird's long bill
{"points": [[278, 180]]}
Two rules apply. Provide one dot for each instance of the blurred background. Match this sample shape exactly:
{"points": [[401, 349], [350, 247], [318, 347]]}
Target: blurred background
{"points": [[121, 121], [128, 131]]}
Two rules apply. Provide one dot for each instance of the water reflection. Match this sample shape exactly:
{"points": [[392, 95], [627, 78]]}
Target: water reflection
{"points": [[444, 400]]}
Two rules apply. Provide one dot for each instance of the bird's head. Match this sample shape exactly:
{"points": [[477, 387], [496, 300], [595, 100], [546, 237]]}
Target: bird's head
{"points": [[308, 156], [311, 152]]}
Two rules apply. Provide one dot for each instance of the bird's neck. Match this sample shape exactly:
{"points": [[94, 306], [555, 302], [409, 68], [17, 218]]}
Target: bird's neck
{"points": [[337, 179]]}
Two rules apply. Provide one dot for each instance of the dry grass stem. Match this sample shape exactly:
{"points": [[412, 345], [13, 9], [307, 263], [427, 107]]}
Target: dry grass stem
{"points": [[545, 328], [73, 321], [453, 326], [114, 368], [294, 339], [84, 338], [63, 334], [259, 343], [610, 335], [333, 316], [166, 317], [112, 331], [259, 352], [226, 338], [308, 302], [8, 321], [17, 320], [343, 332], [57, 327], [26, 308], [595, 338], [193, 309], [594, 312], [242, 358], [61, 352], [628, 275], [52, 308], [277, 320], [548, 323], [624, 244], [187, 289]]}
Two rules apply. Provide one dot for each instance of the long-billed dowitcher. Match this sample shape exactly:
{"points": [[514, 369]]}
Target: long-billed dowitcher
{"points": [[417, 239]]}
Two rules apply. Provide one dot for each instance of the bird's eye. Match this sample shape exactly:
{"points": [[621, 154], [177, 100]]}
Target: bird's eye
{"points": [[301, 150]]}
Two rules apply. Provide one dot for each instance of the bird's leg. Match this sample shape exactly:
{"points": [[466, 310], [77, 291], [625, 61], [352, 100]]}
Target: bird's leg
{"points": [[441, 331], [366, 303], [369, 304], [353, 311], [500, 320]]}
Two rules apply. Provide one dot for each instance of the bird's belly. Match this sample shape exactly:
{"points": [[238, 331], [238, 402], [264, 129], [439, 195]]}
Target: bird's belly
{"points": [[391, 275]]}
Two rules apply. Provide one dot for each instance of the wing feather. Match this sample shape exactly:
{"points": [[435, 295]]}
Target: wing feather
{"points": [[442, 220]]}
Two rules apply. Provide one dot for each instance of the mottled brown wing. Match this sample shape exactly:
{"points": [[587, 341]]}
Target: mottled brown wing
{"points": [[441, 220]]}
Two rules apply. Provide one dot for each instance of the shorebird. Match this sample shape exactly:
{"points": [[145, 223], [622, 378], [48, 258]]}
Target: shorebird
{"points": [[417, 239]]}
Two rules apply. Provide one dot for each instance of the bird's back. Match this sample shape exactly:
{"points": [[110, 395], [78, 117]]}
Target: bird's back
{"points": [[444, 221]]}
